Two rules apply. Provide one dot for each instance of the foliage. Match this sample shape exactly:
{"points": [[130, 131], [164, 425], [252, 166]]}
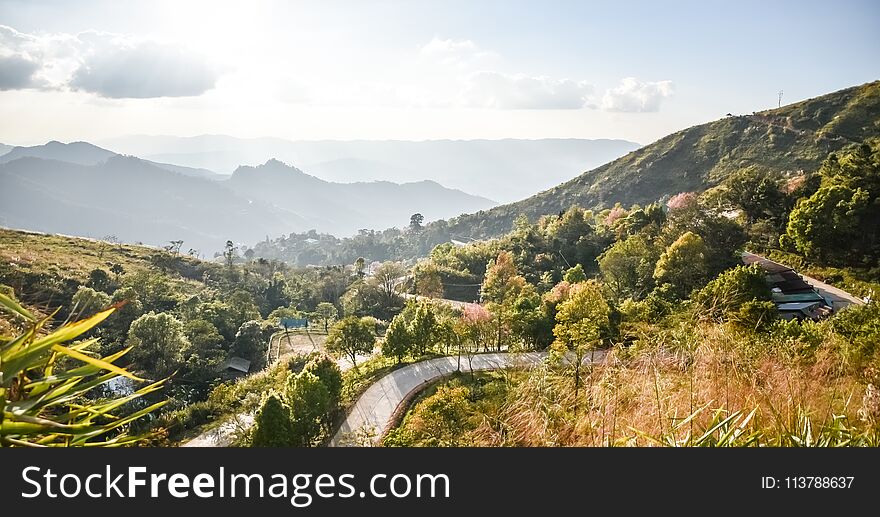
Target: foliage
{"points": [[272, 425], [352, 336], [683, 264], [158, 341], [47, 403], [310, 403]]}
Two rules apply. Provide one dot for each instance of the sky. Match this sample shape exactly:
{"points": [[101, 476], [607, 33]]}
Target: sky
{"points": [[417, 70]]}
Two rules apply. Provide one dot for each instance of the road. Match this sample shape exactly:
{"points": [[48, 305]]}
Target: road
{"points": [[453, 303], [371, 415]]}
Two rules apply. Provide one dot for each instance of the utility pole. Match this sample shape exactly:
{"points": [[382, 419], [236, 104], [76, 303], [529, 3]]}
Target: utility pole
{"points": [[780, 99]]}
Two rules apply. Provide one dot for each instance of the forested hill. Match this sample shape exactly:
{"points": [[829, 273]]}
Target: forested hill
{"points": [[788, 139]]}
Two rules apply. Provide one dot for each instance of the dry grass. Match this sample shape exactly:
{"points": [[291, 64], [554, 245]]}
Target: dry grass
{"points": [[640, 395]]}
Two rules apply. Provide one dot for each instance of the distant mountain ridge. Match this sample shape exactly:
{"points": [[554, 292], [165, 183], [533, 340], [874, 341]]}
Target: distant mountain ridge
{"points": [[474, 166], [84, 153], [339, 207], [138, 200], [792, 138]]}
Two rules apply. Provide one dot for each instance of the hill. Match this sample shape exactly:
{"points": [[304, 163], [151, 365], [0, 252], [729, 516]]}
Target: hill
{"points": [[343, 208], [133, 200], [526, 166], [796, 137], [5, 149], [84, 153]]}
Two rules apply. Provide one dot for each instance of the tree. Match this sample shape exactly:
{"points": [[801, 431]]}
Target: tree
{"points": [[827, 226], [428, 281], [732, 288], [230, 252], [272, 425], [328, 372], [439, 420], [575, 274], [398, 341], [100, 280], [423, 327], [627, 267], [251, 343], [326, 311], [683, 264], [501, 287], [415, 222], [117, 270], [359, 267], [159, 343], [352, 336], [205, 354], [386, 280], [309, 401], [87, 301], [755, 193], [581, 322]]}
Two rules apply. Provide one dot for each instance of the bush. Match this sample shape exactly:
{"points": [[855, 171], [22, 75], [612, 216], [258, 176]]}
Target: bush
{"points": [[731, 289]]}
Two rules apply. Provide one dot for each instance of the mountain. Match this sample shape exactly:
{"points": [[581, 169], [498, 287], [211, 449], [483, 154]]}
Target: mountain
{"points": [[133, 200], [5, 149], [343, 208], [475, 166], [84, 153], [792, 138], [81, 153]]}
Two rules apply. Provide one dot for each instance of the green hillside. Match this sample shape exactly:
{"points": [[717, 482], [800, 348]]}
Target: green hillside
{"points": [[792, 138]]}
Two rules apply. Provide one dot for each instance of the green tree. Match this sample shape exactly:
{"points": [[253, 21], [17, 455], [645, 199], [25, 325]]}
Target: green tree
{"points": [[159, 343], [501, 288], [326, 369], [755, 193], [310, 402], [398, 341], [205, 354], [415, 222], [828, 225], [733, 288], [581, 322], [683, 264], [423, 328], [272, 425], [326, 311], [441, 419], [575, 274], [627, 267], [251, 343], [351, 336], [88, 301]]}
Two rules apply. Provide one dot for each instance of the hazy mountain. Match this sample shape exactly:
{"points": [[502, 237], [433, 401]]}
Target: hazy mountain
{"points": [[503, 170], [791, 138], [81, 153], [5, 149], [343, 208], [133, 200], [84, 153]]}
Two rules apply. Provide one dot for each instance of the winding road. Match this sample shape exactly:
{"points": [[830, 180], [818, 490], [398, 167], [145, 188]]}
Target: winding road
{"points": [[371, 415]]}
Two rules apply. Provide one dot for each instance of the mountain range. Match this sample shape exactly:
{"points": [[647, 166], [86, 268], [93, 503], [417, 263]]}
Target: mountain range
{"points": [[793, 138], [82, 189], [502, 170]]}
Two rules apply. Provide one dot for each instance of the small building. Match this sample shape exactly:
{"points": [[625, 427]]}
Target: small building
{"points": [[235, 367], [794, 297]]}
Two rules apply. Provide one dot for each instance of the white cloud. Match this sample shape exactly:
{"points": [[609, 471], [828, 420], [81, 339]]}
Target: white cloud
{"points": [[109, 65], [633, 95], [502, 91], [456, 53]]}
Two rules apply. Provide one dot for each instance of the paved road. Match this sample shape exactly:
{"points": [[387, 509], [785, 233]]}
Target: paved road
{"points": [[453, 303], [372, 412]]}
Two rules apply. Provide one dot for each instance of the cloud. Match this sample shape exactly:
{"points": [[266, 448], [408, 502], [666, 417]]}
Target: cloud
{"points": [[502, 91], [17, 72], [144, 70], [633, 95], [457, 53], [109, 65]]}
